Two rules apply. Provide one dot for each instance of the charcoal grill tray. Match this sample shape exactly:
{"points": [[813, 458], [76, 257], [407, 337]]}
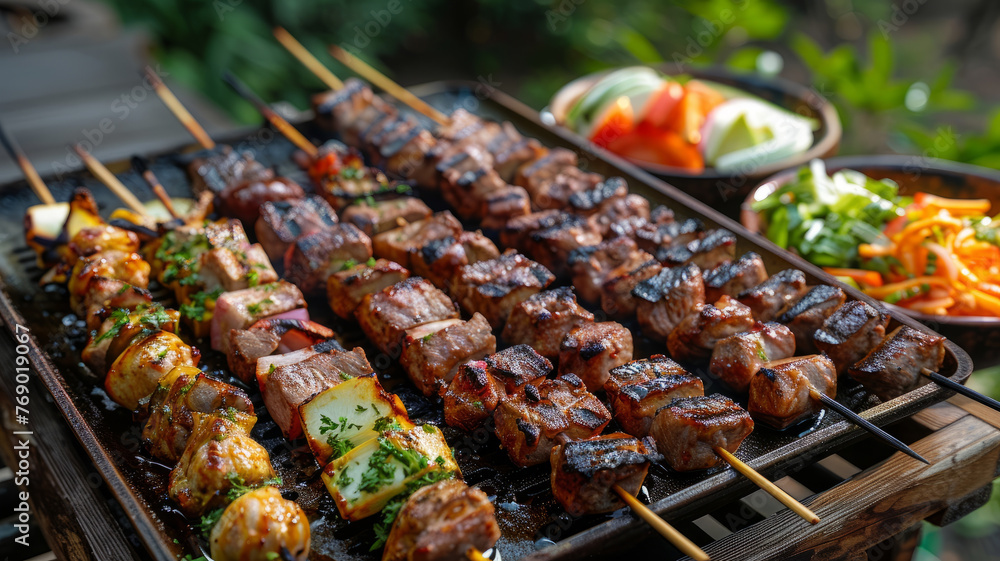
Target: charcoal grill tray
{"points": [[527, 514]]}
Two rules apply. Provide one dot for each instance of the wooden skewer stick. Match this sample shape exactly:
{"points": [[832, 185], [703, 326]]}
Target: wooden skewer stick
{"points": [[960, 389], [473, 554], [762, 482], [686, 546], [140, 166], [307, 59], [179, 111], [390, 87], [30, 173], [102, 173], [283, 126], [863, 423]]}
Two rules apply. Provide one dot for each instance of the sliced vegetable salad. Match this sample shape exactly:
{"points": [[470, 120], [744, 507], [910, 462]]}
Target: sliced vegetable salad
{"points": [[927, 253], [642, 115]]}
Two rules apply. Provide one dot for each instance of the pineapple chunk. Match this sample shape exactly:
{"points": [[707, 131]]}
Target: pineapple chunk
{"points": [[340, 418], [368, 477]]}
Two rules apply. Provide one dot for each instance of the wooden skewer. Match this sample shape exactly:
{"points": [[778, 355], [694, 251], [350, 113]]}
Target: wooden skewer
{"points": [[762, 482], [283, 126], [307, 59], [30, 173], [960, 389], [139, 165], [863, 423], [179, 111], [473, 554], [109, 179], [390, 87], [686, 546]]}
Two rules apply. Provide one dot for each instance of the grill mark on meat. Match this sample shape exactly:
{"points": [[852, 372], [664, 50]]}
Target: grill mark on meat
{"points": [[655, 288], [817, 296], [893, 367], [593, 455]]}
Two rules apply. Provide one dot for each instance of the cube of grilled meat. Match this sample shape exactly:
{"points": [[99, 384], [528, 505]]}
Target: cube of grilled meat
{"points": [[591, 265], [118, 328], [114, 264], [894, 366], [688, 430], [808, 313], [662, 232], [664, 300], [465, 191], [716, 248], [267, 337], [241, 308], [509, 160], [439, 260], [529, 421], [135, 373], [544, 319], [349, 109], [569, 181], [696, 335], [502, 205], [638, 389], [94, 239], [104, 295], [259, 526], [851, 332], [432, 352], [592, 350], [385, 316], [731, 279], [315, 257], [283, 222], [405, 156], [738, 357], [224, 167], [183, 391], [385, 214], [396, 245], [549, 237], [346, 288], [517, 366], [472, 396], [242, 199], [768, 298], [585, 471], [617, 299], [291, 385], [589, 202], [230, 270], [392, 128], [619, 211], [493, 287], [441, 522], [219, 455], [779, 392], [266, 365]]}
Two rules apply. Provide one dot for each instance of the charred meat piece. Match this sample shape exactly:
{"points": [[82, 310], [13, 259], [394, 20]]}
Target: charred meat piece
{"points": [[242, 199], [169, 413], [767, 299], [240, 309], [557, 192], [493, 287], [808, 313], [283, 222], [266, 365], [549, 237], [291, 385], [591, 265], [584, 471], [472, 396], [396, 245], [386, 214], [738, 357], [501, 205], [529, 420], [661, 231], [510, 159], [688, 430], [350, 109], [534, 175], [441, 522], [619, 211], [385, 316], [617, 299], [695, 337], [716, 248], [779, 392], [637, 390], [667, 298], [432, 352], [592, 350], [104, 295], [851, 332], [439, 260], [544, 319], [731, 279], [230, 269], [118, 329], [346, 288], [894, 367], [315, 257], [129, 268], [225, 167], [589, 202], [517, 366], [267, 337]]}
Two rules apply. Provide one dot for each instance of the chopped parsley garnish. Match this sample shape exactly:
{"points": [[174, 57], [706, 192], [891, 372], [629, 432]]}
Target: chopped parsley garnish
{"points": [[121, 317], [360, 408], [123, 289], [195, 308], [345, 376], [761, 353], [272, 368], [336, 439], [427, 337], [351, 173], [240, 488], [385, 424], [253, 278], [370, 262], [254, 308], [208, 522], [391, 509], [348, 265], [162, 354], [429, 429]]}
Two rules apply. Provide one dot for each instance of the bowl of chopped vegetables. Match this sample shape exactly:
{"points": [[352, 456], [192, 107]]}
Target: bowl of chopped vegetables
{"points": [[919, 234], [712, 133]]}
